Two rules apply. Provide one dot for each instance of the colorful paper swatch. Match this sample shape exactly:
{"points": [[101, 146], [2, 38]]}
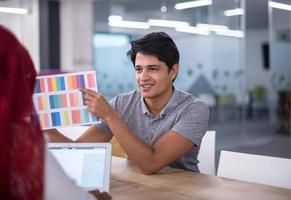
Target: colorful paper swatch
{"points": [[39, 86], [44, 119], [42, 103], [59, 102], [75, 99], [76, 82], [56, 84]]}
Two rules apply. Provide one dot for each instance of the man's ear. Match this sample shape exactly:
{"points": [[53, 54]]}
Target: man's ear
{"points": [[174, 71]]}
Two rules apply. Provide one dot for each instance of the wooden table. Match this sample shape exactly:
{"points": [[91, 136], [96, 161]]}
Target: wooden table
{"points": [[128, 183]]}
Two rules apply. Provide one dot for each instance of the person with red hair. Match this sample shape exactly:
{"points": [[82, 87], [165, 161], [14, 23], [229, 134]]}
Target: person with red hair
{"points": [[27, 169]]}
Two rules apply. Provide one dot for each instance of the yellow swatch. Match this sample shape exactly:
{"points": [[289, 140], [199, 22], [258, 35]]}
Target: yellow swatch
{"points": [[66, 117], [54, 84]]}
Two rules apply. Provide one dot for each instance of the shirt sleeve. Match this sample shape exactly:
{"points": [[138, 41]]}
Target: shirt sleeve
{"points": [[193, 122], [58, 186], [103, 126]]}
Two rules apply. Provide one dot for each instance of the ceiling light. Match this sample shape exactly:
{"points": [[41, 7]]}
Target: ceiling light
{"points": [[117, 21], [237, 11], [167, 23], [229, 32], [193, 29], [20, 11], [192, 4], [129, 24], [280, 5], [115, 18], [212, 27]]}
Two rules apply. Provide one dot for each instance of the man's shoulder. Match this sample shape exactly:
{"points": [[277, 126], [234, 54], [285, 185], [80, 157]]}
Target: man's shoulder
{"points": [[125, 102]]}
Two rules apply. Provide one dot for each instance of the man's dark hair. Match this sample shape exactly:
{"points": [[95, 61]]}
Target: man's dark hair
{"points": [[157, 44]]}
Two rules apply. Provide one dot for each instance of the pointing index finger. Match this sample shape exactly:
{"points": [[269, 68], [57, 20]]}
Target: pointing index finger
{"points": [[87, 91]]}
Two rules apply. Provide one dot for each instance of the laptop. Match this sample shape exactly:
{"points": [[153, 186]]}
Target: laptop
{"points": [[89, 164]]}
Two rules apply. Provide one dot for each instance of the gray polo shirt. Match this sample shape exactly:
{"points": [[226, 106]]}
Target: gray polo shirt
{"points": [[184, 113]]}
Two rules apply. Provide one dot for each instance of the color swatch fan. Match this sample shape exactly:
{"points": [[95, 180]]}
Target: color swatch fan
{"points": [[58, 101]]}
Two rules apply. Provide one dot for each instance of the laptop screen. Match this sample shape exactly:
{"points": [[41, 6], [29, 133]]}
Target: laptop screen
{"points": [[87, 163]]}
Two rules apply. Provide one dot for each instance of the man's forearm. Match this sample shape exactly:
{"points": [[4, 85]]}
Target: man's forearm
{"points": [[55, 136], [150, 159], [94, 134], [140, 153]]}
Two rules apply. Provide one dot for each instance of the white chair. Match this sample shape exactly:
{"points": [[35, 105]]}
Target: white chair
{"points": [[206, 154], [255, 168]]}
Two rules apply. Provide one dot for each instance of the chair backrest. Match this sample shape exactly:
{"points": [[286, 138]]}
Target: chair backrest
{"points": [[206, 154], [255, 168], [117, 150]]}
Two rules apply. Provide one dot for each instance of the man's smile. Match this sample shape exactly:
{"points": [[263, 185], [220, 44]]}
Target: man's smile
{"points": [[146, 86]]}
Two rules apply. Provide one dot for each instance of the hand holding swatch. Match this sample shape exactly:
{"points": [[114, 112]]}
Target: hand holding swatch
{"points": [[97, 103]]}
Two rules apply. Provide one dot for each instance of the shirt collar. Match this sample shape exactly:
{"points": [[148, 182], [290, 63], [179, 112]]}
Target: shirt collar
{"points": [[171, 104], [144, 107]]}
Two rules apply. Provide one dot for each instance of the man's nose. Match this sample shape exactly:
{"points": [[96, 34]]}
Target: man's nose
{"points": [[144, 75]]}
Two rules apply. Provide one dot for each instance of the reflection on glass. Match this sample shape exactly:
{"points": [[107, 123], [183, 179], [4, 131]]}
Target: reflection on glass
{"points": [[114, 70], [224, 48]]}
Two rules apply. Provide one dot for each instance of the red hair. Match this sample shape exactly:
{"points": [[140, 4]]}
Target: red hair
{"points": [[21, 139]]}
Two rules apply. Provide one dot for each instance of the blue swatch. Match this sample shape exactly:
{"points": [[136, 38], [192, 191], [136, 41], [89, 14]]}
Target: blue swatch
{"points": [[85, 116], [37, 86], [56, 118], [61, 83]]}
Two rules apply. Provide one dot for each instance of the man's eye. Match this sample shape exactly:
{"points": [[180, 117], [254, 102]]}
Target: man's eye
{"points": [[138, 69], [153, 69]]}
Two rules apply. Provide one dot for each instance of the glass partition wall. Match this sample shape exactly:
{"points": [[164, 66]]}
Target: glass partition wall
{"points": [[279, 47], [210, 38], [224, 60], [280, 66]]}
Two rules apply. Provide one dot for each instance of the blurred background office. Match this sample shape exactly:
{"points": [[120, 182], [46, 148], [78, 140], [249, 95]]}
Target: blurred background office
{"points": [[235, 55]]}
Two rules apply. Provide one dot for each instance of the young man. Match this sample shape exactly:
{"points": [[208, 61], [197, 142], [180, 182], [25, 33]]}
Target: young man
{"points": [[156, 125]]}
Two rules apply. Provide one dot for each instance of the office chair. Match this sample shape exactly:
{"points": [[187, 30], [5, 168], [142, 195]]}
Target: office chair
{"points": [[255, 168], [206, 154]]}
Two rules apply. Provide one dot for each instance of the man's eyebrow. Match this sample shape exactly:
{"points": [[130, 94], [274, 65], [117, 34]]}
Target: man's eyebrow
{"points": [[153, 66], [147, 66]]}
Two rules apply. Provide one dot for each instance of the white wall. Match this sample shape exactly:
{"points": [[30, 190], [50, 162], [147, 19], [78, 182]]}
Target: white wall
{"points": [[25, 27], [76, 35]]}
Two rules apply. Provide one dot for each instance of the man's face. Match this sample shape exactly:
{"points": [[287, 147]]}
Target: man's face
{"points": [[153, 76]]}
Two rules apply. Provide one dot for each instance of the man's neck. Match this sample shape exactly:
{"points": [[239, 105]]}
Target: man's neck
{"points": [[156, 105]]}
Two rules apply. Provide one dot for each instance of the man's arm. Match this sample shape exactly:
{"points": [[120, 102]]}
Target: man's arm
{"points": [[166, 149], [55, 136], [94, 134]]}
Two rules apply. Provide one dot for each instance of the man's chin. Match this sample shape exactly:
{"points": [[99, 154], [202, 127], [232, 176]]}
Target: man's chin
{"points": [[146, 95]]}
